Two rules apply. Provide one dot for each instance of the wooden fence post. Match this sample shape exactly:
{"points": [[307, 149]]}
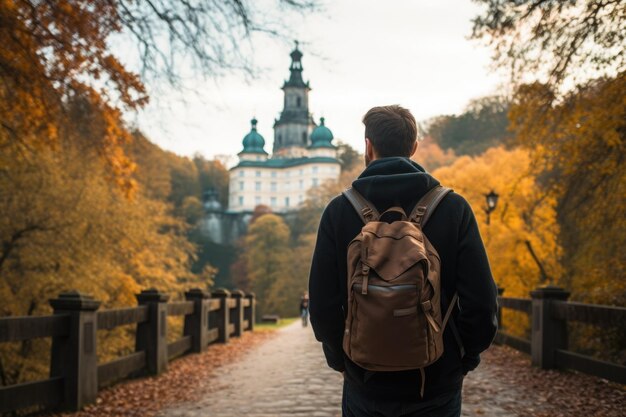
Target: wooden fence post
{"points": [[73, 357], [152, 334], [238, 318], [223, 317], [249, 314], [548, 333], [196, 324]]}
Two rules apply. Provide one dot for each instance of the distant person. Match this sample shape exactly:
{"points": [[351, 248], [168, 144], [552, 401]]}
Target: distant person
{"points": [[382, 291], [304, 309]]}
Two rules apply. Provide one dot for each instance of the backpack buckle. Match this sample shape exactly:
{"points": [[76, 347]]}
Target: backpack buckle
{"points": [[367, 213], [419, 213]]}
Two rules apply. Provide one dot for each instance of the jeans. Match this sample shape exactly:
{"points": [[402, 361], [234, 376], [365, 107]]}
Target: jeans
{"points": [[356, 404]]}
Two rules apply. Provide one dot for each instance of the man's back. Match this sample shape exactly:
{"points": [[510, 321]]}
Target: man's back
{"points": [[392, 179], [453, 232]]}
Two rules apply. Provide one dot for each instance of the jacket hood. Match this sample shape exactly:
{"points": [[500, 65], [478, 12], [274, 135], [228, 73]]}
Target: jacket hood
{"points": [[393, 181]]}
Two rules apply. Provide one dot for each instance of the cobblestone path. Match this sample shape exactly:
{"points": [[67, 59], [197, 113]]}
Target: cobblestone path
{"points": [[287, 376]]}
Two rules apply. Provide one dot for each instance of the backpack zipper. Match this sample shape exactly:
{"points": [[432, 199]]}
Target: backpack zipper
{"points": [[401, 287]]}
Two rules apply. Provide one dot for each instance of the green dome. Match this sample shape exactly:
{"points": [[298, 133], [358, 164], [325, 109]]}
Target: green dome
{"points": [[253, 142], [321, 136]]}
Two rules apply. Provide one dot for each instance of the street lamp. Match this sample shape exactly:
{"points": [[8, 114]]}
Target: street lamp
{"points": [[492, 201]]}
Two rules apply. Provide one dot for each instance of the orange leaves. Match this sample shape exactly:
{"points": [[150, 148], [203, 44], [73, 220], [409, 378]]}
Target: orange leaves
{"points": [[52, 53], [578, 145]]}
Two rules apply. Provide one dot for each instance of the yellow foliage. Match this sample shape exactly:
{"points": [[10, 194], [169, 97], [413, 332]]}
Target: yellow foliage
{"points": [[578, 145], [430, 155], [268, 259], [63, 226], [523, 223]]}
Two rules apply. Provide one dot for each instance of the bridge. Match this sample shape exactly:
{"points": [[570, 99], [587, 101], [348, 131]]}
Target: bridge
{"points": [[284, 373]]}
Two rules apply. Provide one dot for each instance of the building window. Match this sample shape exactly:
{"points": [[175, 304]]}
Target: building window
{"points": [[273, 186], [257, 200], [241, 173], [314, 182], [257, 173], [315, 169], [257, 186], [278, 139], [287, 185], [273, 174], [301, 184], [241, 200], [240, 185], [273, 201], [300, 171], [286, 201], [300, 198], [298, 101], [304, 137]]}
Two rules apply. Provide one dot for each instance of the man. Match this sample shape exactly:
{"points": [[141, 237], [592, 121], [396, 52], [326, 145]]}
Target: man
{"points": [[304, 308], [392, 179]]}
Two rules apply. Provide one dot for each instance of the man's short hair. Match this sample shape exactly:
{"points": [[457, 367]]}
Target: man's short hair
{"points": [[391, 129]]}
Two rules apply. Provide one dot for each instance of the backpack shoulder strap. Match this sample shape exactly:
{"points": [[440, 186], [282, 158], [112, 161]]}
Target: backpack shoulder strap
{"points": [[366, 210], [427, 205]]}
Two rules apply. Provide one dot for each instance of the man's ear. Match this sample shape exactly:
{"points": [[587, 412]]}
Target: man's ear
{"points": [[369, 149], [415, 145]]}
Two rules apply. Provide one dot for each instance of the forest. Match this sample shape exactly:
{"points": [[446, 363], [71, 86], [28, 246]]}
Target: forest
{"points": [[87, 202]]}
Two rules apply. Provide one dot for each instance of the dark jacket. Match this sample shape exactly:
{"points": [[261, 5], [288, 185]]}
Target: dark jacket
{"points": [[453, 231]]}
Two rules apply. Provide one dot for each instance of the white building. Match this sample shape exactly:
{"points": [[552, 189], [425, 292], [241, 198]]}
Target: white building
{"points": [[303, 154]]}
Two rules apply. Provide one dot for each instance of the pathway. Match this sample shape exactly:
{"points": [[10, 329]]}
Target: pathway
{"points": [[285, 376], [288, 376]]}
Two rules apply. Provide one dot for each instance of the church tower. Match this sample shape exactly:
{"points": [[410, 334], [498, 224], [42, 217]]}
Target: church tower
{"points": [[292, 131]]}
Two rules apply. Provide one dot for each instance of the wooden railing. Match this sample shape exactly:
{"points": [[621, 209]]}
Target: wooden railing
{"points": [[549, 313], [76, 376]]}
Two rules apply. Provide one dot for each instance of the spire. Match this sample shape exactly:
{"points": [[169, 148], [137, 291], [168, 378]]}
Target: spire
{"points": [[295, 79]]}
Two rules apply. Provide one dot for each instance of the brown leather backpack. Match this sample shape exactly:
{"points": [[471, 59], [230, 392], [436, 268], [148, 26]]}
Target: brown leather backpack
{"points": [[394, 320]]}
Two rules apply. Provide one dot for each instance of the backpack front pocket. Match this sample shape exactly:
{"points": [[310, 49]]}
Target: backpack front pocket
{"points": [[388, 330]]}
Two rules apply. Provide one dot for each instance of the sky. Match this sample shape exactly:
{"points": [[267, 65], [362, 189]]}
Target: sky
{"points": [[357, 54]]}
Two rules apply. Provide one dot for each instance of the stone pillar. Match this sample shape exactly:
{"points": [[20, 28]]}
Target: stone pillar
{"points": [[152, 334], [223, 316], [250, 314], [196, 324], [237, 312], [548, 333], [74, 356]]}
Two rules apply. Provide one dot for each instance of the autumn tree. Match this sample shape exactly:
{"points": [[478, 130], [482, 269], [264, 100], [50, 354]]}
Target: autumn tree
{"points": [[522, 237], [309, 213], [213, 175], [54, 51], [268, 265], [483, 124], [571, 116], [65, 227], [579, 147], [430, 155], [348, 156]]}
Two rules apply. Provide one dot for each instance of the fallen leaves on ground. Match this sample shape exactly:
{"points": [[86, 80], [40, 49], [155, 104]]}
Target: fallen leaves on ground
{"points": [[186, 379], [550, 393]]}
